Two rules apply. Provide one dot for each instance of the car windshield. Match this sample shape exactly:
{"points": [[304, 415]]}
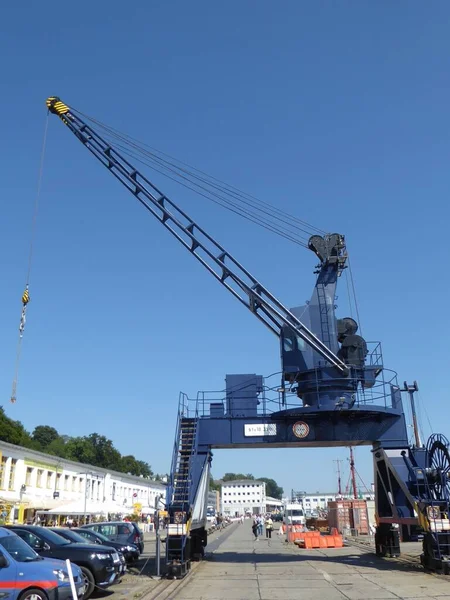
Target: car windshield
{"points": [[51, 537], [93, 534], [19, 549], [71, 536]]}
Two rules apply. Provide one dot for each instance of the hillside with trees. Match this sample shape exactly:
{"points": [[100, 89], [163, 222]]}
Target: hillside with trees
{"points": [[93, 449]]}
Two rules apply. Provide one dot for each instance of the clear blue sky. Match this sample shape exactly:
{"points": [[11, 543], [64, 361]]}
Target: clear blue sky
{"points": [[335, 111]]}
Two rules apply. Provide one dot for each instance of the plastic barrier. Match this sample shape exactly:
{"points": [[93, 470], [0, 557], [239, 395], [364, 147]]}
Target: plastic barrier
{"points": [[318, 541]]}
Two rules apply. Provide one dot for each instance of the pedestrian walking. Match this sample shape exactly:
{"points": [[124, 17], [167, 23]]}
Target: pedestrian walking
{"points": [[260, 525], [255, 529], [269, 527]]}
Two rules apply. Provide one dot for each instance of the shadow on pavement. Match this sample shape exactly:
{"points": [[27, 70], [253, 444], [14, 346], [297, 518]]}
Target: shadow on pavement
{"points": [[354, 560]]}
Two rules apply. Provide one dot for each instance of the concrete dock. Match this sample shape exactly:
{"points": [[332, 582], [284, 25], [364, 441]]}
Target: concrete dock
{"points": [[238, 568]]}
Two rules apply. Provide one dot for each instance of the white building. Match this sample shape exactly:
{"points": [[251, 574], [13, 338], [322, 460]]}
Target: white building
{"points": [[243, 496], [319, 500], [32, 481], [273, 504]]}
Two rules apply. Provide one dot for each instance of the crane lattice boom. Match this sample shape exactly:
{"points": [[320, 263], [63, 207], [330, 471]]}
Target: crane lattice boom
{"points": [[211, 254]]}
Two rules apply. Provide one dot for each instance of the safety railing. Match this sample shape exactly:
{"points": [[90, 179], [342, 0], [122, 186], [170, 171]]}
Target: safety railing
{"points": [[214, 403]]}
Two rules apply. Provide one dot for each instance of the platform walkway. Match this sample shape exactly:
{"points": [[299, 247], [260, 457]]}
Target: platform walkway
{"points": [[241, 569]]}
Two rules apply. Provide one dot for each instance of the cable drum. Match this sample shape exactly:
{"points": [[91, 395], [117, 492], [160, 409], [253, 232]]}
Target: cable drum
{"points": [[438, 459]]}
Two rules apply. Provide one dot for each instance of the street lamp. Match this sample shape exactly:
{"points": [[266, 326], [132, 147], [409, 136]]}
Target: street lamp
{"points": [[86, 473], [55, 492], [158, 498]]}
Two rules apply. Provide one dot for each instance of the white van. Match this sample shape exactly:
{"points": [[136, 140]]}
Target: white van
{"points": [[294, 514]]}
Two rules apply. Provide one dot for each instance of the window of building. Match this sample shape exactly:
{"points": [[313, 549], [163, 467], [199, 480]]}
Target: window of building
{"points": [[58, 481], [75, 487], [28, 475], [113, 491], [322, 499], [3, 472], [49, 480], [40, 472], [66, 483], [12, 473]]}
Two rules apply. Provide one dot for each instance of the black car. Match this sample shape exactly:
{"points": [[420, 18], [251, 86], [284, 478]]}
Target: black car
{"points": [[73, 537], [100, 568], [130, 551], [125, 532]]}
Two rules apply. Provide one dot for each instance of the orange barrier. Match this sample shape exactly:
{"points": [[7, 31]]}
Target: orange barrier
{"points": [[318, 541]]}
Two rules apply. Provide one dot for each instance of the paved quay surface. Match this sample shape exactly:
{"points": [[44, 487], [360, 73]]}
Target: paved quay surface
{"points": [[241, 569]]}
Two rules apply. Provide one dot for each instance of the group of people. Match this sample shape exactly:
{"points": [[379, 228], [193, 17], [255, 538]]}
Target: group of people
{"points": [[258, 525]]}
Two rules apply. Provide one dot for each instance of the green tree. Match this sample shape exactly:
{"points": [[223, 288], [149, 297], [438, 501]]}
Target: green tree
{"points": [[213, 485], [57, 448], [236, 476], [272, 488], [44, 435], [105, 454], [80, 449], [12, 431], [94, 449], [128, 464], [144, 469]]}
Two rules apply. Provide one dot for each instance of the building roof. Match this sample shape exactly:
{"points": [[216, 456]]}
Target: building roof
{"points": [[29, 453], [304, 494], [242, 482]]}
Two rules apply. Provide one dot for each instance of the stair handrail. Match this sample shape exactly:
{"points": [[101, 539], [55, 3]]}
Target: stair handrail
{"points": [[182, 407]]}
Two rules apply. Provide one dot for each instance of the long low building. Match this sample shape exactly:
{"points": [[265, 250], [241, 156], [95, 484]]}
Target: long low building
{"points": [[319, 500], [34, 483]]}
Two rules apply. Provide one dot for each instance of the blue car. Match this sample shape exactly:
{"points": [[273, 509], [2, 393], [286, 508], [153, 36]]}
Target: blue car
{"points": [[24, 575]]}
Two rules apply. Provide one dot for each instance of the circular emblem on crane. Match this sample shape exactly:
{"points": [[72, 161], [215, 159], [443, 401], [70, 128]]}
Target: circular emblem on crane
{"points": [[300, 429]]}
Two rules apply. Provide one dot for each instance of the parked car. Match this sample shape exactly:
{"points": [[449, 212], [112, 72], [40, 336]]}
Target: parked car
{"points": [[100, 569], [24, 575], [74, 538], [120, 531], [130, 551]]}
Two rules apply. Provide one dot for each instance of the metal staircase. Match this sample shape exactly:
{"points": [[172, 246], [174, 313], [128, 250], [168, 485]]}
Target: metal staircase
{"points": [[179, 500], [186, 447]]}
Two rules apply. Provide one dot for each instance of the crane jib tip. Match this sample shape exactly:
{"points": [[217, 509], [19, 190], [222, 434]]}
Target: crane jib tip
{"points": [[55, 106]]}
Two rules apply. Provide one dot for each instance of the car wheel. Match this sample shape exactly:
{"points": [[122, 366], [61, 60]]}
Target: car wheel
{"points": [[33, 594], [89, 583]]}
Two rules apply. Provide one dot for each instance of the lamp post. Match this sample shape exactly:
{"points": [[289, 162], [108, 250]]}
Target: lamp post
{"points": [[158, 544], [86, 473], [55, 492]]}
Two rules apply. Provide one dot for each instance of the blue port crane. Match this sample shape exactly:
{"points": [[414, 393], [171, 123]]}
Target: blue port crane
{"points": [[344, 395]]}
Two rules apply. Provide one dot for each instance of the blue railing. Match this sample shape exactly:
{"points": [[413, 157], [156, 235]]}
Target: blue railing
{"points": [[213, 403]]}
